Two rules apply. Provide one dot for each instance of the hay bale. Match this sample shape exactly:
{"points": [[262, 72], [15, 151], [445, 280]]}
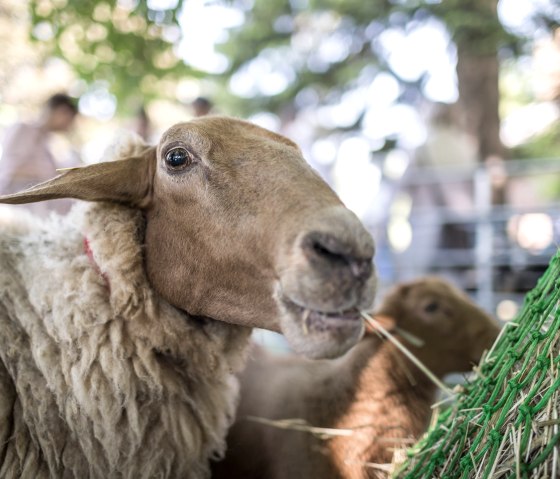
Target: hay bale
{"points": [[505, 423]]}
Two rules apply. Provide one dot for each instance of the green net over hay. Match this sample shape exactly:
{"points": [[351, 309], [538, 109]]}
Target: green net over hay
{"points": [[505, 424]]}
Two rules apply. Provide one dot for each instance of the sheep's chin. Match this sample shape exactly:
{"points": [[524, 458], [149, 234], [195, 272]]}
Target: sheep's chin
{"points": [[320, 335]]}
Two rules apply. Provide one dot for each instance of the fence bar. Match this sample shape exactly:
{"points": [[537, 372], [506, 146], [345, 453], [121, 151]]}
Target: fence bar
{"points": [[484, 235]]}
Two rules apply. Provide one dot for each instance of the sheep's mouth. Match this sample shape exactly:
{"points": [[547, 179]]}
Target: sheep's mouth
{"points": [[313, 320]]}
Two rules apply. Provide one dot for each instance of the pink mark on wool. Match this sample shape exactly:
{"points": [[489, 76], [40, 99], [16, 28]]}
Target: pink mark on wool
{"points": [[89, 253]]}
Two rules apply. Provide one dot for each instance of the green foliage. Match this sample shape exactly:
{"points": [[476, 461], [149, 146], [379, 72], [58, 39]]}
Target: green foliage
{"points": [[544, 145], [132, 48], [474, 25], [123, 44], [276, 25]]}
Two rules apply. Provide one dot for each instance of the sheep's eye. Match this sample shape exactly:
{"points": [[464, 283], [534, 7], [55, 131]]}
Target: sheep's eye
{"points": [[431, 307], [178, 158]]}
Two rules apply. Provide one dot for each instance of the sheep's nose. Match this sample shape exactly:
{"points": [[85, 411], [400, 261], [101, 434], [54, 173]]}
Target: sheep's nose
{"points": [[328, 250]]}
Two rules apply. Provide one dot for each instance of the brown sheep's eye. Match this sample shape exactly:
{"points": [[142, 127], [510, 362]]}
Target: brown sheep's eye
{"points": [[431, 307], [178, 159]]}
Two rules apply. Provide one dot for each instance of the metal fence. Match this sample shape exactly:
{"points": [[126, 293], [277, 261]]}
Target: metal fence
{"points": [[490, 260]]}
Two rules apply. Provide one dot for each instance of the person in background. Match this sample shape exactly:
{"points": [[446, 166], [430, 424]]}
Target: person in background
{"points": [[26, 157], [142, 125], [443, 207], [201, 106]]}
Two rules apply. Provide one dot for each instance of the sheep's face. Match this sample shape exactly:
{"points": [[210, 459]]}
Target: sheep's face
{"points": [[239, 229], [456, 331]]}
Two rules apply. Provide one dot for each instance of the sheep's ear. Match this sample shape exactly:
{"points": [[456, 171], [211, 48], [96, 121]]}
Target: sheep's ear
{"points": [[128, 181]]}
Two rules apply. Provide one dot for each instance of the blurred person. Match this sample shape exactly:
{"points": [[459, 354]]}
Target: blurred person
{"points": [[142, 125], [26, 157], [442, 207], [201, 106], [447, 145]]}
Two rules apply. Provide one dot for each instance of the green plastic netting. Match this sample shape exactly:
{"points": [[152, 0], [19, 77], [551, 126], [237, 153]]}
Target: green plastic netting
{"points": [[505, 423]]}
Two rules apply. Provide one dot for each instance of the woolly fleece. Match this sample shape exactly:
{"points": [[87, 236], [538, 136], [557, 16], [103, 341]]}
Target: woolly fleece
{"points": [[99, 377]]}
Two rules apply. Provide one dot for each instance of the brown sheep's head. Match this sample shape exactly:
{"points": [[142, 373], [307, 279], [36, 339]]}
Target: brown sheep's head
{"points": [[239, 229], [455, 331]]}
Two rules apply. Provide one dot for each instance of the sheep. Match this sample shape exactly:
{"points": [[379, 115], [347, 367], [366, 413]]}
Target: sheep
{"points": [[123, 324], [376, 397]]}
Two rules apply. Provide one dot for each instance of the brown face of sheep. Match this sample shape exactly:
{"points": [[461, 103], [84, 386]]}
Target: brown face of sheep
{"points": [[456, 331], [240, 229]]}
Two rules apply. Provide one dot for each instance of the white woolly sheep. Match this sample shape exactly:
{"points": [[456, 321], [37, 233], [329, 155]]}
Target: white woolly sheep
{"points": [[121, 326], [374, 391]]}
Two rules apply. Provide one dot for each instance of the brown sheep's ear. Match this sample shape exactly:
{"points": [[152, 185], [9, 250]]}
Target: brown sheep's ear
{"points": [[128, 181]]}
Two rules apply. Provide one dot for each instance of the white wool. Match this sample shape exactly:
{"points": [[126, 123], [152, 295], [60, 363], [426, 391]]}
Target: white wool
{"points": [[99, 377]]}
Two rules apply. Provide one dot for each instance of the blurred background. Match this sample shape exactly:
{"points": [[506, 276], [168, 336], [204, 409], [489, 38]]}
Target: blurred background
{"points": [[436, 121]]}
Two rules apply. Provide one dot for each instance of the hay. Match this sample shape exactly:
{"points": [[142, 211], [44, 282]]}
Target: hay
{"points": [[297, 424], [376, 325], [506, 423]]}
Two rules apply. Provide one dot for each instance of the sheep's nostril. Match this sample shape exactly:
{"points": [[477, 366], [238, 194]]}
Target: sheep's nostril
{"points": [[326, 247], [333, 252], [323, 251]]}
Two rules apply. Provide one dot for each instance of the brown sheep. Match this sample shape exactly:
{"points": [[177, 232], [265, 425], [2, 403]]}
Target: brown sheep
{"points": [[374, 391], [122, 325]]}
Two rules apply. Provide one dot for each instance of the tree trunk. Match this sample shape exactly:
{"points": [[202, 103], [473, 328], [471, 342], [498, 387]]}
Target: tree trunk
{"points": [[479, 97]]}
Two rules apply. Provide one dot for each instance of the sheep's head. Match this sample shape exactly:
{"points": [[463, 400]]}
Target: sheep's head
{"points": [[454, 329], [239, 229]]}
